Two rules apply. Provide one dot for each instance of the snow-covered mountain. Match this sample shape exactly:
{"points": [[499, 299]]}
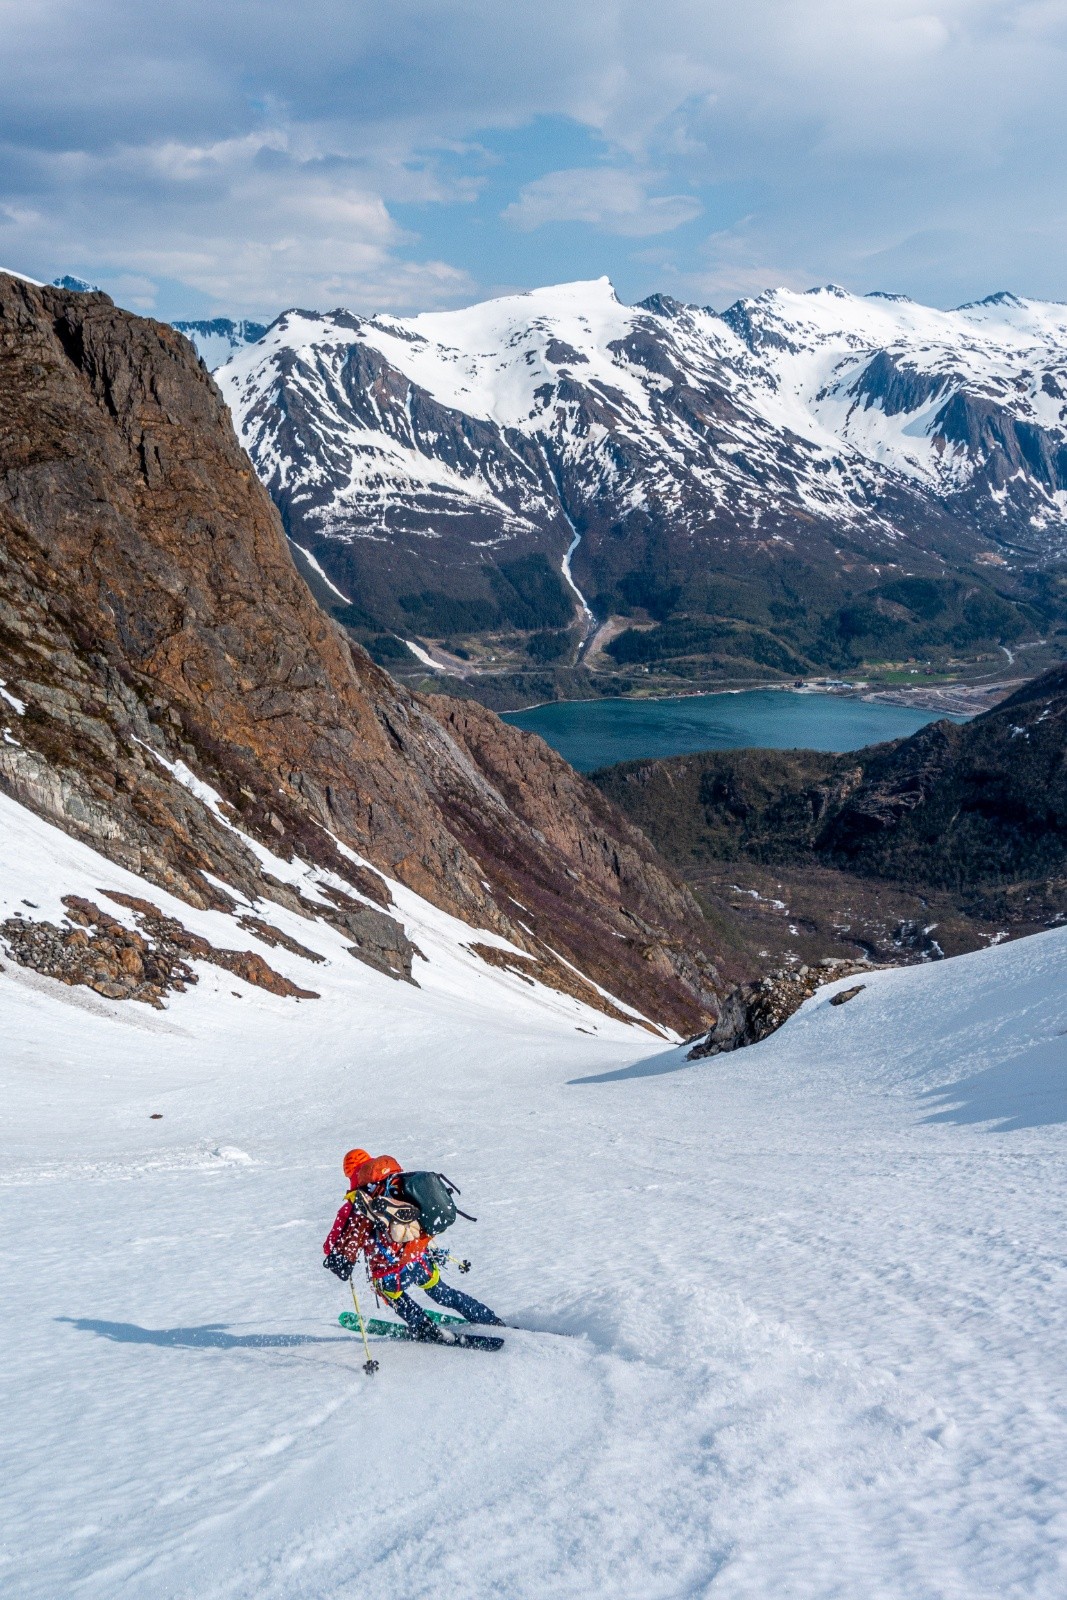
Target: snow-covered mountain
{"points": [[75, 285], [218, 338], [663, 445], [970, 404]]}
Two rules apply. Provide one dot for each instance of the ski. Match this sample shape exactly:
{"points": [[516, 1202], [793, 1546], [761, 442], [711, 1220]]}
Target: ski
{"points": [[461, 1341], [549, 1333], [386, 1330], [379, 1329]]}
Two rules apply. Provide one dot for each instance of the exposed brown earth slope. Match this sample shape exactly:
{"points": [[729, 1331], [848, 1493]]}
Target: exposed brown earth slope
{"points": [[148, 603]]}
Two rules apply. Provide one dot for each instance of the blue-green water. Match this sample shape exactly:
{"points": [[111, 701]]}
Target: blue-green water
{"points": [[597, 733]]}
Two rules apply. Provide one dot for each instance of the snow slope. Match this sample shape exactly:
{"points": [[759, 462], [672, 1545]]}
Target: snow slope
{"points": [[879, 374], [815, 1289]]}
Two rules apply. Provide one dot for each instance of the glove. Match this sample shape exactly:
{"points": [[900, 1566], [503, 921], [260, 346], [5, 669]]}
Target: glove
{"points": [[443, 1258], [339, 1264]]}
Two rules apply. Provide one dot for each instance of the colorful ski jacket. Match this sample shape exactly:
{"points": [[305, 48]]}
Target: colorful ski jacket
{"points": [[354, 1234]]}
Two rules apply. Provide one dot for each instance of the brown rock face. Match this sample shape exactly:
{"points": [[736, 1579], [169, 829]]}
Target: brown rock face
{"points": [[125, 965], [148, 603], [567, 862]]}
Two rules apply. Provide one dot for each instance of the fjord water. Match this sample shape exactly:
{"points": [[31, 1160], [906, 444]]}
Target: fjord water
{"points": [[597, 733]]}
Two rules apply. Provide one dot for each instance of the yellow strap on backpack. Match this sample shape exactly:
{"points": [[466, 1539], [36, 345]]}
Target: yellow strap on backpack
{"points": [[394, 1294]]}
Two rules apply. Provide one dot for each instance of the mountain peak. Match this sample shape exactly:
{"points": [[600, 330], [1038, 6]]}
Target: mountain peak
{"points": [[423, 459], [1002, 297], [76, 285], [661, 305], [217, 338], [574, 295]]}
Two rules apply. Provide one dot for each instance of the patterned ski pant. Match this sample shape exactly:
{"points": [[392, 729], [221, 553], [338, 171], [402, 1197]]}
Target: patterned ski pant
{"points": [[420, 1275]]}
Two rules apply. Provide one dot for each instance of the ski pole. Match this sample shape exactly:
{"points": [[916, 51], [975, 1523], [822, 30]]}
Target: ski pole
{"points": [[370, 1366]]}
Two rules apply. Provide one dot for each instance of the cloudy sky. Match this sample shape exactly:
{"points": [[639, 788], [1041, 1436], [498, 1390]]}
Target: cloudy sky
{"points": [[237, 156]]}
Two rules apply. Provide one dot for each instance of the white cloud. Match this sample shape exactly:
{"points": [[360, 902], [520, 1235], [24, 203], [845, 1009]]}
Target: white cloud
{"points": [[616, 201], [259, 149], [245, 232]]}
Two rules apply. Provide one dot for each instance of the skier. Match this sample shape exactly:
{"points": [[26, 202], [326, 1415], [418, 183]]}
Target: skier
{"points": [[374, 1223]]}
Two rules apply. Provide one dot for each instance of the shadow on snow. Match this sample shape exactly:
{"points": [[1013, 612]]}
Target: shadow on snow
{"points": [[210, 1336], [1028, 1091], [650, 1067]]}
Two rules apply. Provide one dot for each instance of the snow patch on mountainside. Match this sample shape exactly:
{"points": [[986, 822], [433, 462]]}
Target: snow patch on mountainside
{"points": [[23, 276], [217, 338], [424, 656], [317, 569], [489, 359]]}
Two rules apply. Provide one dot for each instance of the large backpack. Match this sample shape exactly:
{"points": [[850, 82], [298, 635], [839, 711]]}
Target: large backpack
{"points": [[431, 1195]]}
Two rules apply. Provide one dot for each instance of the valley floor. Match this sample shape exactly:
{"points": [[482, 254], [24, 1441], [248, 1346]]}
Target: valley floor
{"points": [[807, 1301]]}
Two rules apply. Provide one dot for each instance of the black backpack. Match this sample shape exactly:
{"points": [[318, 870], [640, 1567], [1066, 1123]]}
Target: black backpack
{"points": [[431, 1195]]}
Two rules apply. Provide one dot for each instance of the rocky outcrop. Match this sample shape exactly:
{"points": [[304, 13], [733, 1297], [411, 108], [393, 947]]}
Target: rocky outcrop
{"points": [[120, 963], [753, 1011], [171, 689]]}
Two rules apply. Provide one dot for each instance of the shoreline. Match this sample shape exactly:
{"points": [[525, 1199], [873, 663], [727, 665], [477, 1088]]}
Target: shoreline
{"points": [[955, 699], [640, 699], [973, 698]]}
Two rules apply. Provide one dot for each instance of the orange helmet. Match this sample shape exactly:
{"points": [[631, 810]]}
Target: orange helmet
{"points": [[353, 1161], [375, 1171]]}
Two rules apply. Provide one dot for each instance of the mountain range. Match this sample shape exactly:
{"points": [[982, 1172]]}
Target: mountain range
{"points": [[788, 1322], [804, 481]]}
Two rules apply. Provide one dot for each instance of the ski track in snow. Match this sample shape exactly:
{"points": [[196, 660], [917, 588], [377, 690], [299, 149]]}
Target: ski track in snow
{"points": [[818, 1288]]}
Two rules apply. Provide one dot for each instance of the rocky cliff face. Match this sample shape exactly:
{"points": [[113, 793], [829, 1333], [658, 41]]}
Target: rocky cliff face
{"points": [[155, 638]]}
